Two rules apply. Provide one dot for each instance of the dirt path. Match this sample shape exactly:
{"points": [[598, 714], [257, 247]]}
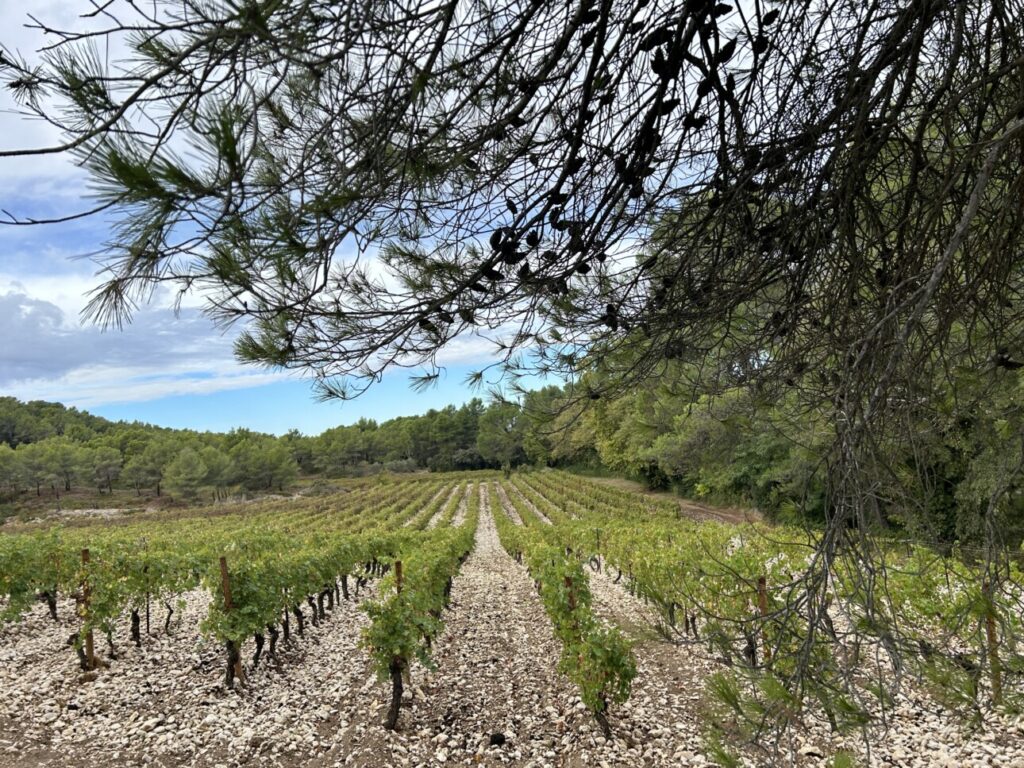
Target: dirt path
{"points": [[693, 509]]}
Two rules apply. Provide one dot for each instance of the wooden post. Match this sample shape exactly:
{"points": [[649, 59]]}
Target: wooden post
{"points": [[994, 666], [90, 648], [572, 593], [398, 575], [225, 585], [762, 605], [145, 569]]}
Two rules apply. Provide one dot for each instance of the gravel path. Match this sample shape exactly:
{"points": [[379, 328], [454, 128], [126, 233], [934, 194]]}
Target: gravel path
{"points": [[460, 514], [436, 518], [530, 505], [506, 505], [496, 673]]}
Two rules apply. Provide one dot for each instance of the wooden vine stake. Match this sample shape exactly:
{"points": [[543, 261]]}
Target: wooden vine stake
{"points": [[233, 652], [90, 648], [398, 575], [572, 593], [994, 665], [762, 605]]}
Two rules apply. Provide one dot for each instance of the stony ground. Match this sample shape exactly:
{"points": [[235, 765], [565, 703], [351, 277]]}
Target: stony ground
{"points": [[671, 679], [166, 705], [496, 697]]}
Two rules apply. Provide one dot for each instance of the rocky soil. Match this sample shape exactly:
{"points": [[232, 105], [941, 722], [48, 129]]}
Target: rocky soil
{"points": [[166, 705], [506, 506], [495, 698], [918, 734], [460, 512]]}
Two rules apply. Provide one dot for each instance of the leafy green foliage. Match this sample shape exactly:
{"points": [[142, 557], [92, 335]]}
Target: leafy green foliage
{"points": [[276, 555], [596, 657], [709, 572], [186, 473], [405, 620]]}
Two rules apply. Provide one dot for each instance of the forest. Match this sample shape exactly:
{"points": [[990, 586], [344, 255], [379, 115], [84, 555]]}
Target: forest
{"points": [[730, 447]]}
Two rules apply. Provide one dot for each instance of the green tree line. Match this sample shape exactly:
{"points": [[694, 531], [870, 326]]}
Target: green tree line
{"points": [[716, 439], [47, 448]]}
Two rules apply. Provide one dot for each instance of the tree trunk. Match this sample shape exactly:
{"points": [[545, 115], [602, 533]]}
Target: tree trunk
{"points": [[344, 586], [299, 618], [602, 719], [272, 631], [136, 635], [258, 637], [83, 659], [167, 621], [750, 649], [396, 693], [233, 663], [111, 651], [51, 602], [316, 616]]}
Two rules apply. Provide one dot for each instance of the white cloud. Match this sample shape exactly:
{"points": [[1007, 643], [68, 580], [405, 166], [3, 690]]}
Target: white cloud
{"points": [[54, 181], [92, 386], [467, 349], [46, 350], [67, 291], [49, 354]]}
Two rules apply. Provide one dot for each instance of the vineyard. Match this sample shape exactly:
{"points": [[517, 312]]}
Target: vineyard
{"points": [[465, 618]]}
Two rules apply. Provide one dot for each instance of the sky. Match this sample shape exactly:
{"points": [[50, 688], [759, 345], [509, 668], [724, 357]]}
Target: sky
{"points": [[169, 368]]}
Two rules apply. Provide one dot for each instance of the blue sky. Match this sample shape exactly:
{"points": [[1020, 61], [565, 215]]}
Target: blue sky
{"points": [[167, 368]]}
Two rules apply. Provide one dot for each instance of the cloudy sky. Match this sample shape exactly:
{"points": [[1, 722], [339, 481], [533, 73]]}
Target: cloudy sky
{"points": [[168, 369]]}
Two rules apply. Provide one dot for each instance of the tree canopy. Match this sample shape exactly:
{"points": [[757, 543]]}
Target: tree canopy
{"points": [[822, 183], [46, 445]]}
